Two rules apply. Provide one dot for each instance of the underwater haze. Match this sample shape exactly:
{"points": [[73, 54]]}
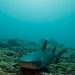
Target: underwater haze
{"points": [[38, 19]]}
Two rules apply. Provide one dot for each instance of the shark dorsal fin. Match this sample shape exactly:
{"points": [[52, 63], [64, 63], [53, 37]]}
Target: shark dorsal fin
{"points": [[44, 45], [53, 51]]}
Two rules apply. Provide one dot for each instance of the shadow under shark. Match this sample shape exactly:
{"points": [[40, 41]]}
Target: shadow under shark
{"points": [[39, 59]]}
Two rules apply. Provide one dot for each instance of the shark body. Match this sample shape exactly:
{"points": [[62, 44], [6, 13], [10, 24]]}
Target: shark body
{"points": [[39, 59]]}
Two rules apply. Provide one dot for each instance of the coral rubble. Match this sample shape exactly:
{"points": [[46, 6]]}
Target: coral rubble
{"points": [[11, 49]]}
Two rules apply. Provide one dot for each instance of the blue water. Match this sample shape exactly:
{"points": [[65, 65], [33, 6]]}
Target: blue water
{"points": [[37, 19]]}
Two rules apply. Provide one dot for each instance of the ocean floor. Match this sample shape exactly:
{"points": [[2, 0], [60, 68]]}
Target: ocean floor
{"points": [[11, 49]]}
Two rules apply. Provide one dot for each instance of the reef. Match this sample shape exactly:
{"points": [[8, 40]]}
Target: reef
{"points": [[13, 42], [4, 44], [11, 49]]}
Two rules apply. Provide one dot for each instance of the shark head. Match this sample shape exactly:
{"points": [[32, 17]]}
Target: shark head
{"points": [[33, 60], [30, 61]]}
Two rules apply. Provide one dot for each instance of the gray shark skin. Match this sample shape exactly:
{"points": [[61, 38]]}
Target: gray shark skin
{"points": [[39, 59]]}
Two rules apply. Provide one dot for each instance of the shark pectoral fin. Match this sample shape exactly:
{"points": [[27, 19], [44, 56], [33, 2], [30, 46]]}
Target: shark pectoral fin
{"points": [[44, 65]]}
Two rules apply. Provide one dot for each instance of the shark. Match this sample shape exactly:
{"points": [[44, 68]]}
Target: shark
{"points": [[39, 59]]}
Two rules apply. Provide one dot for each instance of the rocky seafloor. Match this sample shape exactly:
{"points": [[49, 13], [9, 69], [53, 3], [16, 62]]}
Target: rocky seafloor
{"points": [[11, 49]]}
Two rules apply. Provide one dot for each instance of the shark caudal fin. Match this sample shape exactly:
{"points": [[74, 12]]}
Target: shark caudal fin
{"points": [[59, 54], [44, 45]]}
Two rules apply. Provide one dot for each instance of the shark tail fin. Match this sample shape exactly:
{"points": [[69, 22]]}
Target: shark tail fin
{"points": [[44, 45], [53, 51], [59, 54]]}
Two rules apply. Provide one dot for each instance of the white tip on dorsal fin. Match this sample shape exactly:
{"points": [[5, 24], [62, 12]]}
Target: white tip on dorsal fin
{"points": [[53, 51], [44, 45]]}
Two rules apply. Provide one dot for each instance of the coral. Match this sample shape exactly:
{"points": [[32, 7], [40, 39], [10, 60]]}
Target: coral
{"points": [[41, 40], [6, 73], [8, 55], [4, 44], [51, 41], [32, 43], [8, 60], [13, 42]]}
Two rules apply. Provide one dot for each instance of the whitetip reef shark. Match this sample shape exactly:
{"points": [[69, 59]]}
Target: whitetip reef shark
{"points": [[39, 59]]}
